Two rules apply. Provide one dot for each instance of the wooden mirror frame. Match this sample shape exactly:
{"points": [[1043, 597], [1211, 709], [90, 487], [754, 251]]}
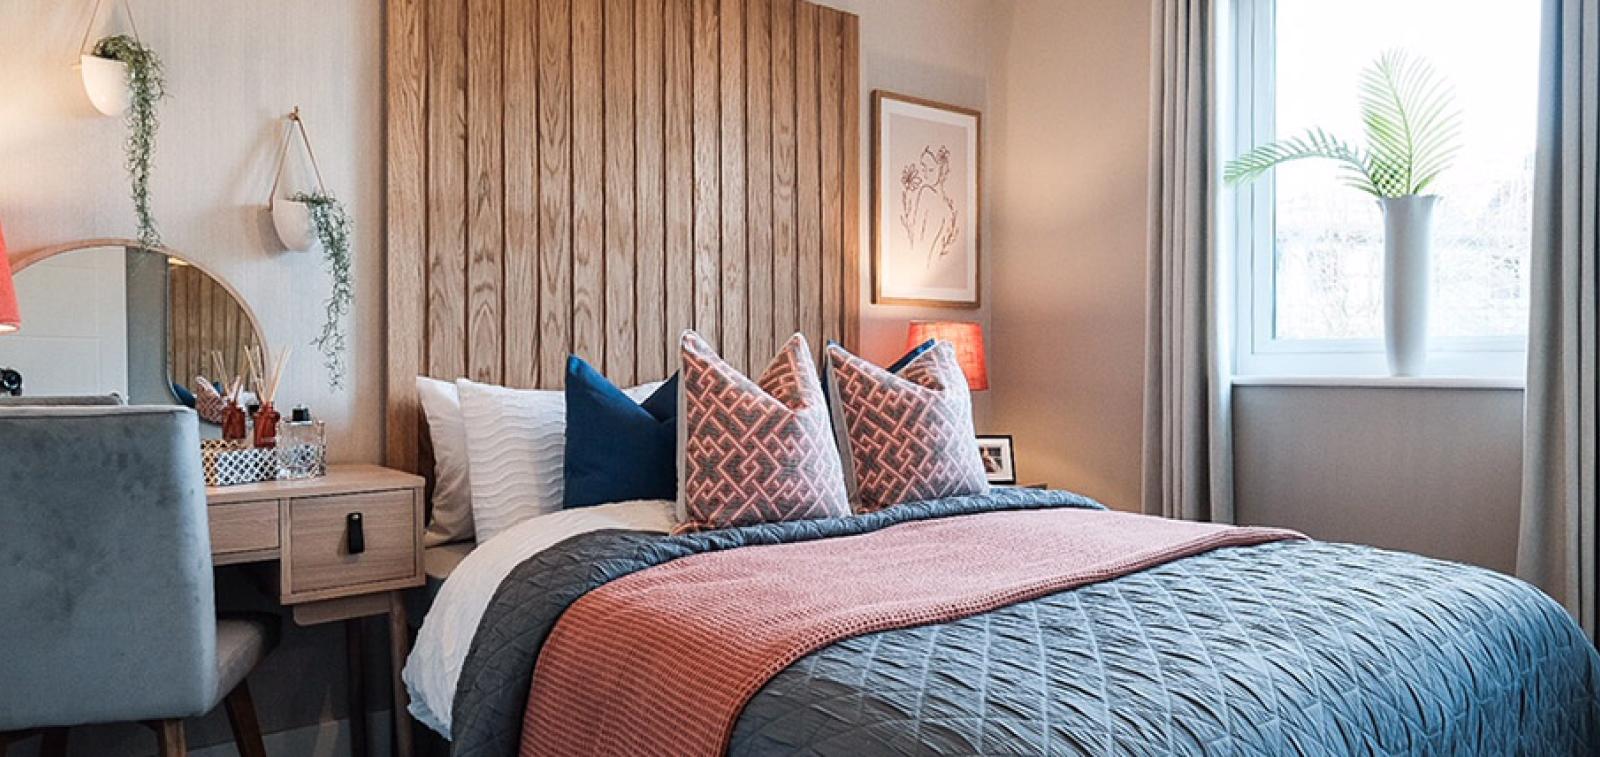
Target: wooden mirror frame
{"points": [[20, 261]]}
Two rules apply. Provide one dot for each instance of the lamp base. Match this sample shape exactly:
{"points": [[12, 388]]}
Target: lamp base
{"points": [[10, 382]]}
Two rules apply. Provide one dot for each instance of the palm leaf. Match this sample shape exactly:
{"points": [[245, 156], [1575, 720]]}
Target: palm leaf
{"points": [[1412, 126], [1315, 143]]}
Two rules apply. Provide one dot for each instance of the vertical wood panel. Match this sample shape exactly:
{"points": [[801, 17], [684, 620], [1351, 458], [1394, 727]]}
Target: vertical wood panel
{"points": [[706, 46], [681, 189], [808, 257], [521, 138], [735, 329], [588, 180], [594, 176], [650, 229], [850, 128], [758, 192], [829, 70], [785, 316], [620, 249], [555, 189], [485, 232], [447, 179], [406, 66]]}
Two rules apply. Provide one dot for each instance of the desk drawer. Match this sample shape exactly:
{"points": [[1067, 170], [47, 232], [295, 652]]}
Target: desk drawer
{"points": [[243, 527], [317, 555]]}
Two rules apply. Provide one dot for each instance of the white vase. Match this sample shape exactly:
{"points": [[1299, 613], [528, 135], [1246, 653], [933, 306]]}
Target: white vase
{"points": [[292, 221], [106, 81], [1407, 280]]}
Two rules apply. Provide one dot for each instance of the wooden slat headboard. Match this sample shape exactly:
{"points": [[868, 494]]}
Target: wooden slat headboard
{"points": [[595, 176]]}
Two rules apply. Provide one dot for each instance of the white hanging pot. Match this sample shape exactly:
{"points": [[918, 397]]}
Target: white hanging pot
{"points": [[1407, 280], [106, 81], [290, 218], [292, 221]]}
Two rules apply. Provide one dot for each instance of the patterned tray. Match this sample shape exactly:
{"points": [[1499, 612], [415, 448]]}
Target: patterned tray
{"points": [[231, 463]]}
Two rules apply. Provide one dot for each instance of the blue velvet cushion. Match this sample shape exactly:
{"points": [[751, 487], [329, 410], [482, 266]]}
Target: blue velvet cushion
{"points": [[618, 449]]}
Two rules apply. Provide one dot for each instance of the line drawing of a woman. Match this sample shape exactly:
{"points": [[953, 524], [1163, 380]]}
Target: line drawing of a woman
{"points": [[926, 211]]}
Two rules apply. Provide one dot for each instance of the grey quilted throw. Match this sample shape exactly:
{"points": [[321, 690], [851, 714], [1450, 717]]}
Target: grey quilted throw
{"points": [[1283, 648]]}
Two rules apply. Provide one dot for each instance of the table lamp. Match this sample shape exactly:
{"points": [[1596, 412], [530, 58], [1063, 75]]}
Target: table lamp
{"points": [[10, 317], [967, 336]]}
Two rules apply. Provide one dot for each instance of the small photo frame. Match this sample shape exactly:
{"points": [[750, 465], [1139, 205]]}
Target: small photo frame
{"points": [[999, 458]]}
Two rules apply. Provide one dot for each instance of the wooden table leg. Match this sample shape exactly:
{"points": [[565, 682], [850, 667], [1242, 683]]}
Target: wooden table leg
{"points": [[399, 648], [356, 685]]}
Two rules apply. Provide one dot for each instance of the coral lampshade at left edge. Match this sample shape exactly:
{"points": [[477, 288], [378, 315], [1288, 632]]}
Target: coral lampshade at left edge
{"points": [[10, 313]]}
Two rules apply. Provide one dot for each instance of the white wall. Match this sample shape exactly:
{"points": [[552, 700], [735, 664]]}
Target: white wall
{"points": [[1069, 230], [233, 71], [76, 340]]}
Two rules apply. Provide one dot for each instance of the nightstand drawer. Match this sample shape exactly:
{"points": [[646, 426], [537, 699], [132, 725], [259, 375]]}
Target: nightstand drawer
{"points": [[243, 527], [317, 555]]}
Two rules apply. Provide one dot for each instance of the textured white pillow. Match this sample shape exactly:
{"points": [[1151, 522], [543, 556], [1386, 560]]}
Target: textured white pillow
{"points": [[516, 444], [452, 491]]}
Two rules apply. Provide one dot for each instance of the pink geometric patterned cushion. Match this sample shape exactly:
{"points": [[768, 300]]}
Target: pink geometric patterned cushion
{"points": [[754, 451], [908, 436]]}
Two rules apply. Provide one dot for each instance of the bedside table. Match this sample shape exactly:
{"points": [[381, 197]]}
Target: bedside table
{"points": [[344, 546]]}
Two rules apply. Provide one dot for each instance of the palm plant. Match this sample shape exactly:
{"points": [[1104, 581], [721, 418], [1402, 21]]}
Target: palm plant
{"points": [[1412, 127]]}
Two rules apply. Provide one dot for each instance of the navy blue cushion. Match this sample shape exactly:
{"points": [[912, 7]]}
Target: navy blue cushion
{"points": [[618, 449]]}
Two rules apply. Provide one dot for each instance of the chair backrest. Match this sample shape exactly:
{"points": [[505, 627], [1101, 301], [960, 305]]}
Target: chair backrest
{"points": [[106, 605], [57, 400]]}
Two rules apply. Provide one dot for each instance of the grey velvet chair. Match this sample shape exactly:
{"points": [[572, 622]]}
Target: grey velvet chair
{"points": [[106, 605]]}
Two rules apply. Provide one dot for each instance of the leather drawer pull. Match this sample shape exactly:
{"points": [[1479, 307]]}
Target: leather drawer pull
{"points": [[355, 538]]}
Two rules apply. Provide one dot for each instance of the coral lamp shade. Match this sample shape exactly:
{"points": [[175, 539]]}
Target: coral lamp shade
{"points": [[10, 317], [968, 340]]}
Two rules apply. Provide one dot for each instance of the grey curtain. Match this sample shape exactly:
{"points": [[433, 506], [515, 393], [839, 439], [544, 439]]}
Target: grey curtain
{"points": [[1188, 447], [1556, 548]]}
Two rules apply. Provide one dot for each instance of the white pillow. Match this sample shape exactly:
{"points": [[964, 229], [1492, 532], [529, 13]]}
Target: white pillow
{"points": [[452, 490], [516, 440]]}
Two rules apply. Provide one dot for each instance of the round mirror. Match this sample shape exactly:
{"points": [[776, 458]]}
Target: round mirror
{"points": [[106, 316]]}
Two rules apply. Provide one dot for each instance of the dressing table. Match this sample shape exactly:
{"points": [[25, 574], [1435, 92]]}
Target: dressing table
{"points": [[341, 547]]}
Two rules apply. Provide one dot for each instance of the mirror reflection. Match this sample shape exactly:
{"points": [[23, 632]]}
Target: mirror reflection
{"points": [[145, 325]]}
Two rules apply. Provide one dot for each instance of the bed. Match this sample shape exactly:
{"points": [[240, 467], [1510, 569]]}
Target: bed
{"points": [[1282, 647], [507, 251]]}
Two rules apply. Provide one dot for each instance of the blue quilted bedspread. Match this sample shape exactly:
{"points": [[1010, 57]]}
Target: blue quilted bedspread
{"points": [[1284, 648]]}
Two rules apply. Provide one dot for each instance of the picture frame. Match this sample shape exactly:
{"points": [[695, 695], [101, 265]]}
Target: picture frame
{"points": [[927, 191], [999, 456]]}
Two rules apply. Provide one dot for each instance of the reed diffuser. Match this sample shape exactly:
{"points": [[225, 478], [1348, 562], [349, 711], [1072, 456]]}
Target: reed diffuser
{"points": [[233, 417], [267, 418]]}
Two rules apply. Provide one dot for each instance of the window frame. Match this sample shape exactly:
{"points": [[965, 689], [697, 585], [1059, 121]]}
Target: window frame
{"points": [[1251, 38]]}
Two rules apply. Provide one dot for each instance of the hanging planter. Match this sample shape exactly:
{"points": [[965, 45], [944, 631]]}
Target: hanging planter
{"points": [[122, 75], [306, 218], [106, 81], [291, 216]]}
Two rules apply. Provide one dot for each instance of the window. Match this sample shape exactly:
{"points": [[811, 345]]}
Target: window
{"points": [[1309, 265]]}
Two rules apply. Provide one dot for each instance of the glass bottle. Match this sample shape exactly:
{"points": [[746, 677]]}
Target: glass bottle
{"points": [[302, 446]]}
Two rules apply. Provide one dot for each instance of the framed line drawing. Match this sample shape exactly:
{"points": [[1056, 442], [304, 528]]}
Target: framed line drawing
{"points": [[926, 195]]}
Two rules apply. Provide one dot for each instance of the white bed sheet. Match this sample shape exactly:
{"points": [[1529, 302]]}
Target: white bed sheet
{"points": [[434, 667]]}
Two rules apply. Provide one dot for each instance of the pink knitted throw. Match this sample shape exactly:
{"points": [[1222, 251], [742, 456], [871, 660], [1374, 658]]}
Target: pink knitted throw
{"points": [[661, 662]]}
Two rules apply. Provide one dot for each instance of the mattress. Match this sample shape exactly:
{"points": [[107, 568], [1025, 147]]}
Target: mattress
{"points": [[1294, 647]]}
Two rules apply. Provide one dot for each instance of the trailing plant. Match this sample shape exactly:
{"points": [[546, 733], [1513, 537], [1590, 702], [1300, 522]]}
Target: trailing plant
{"points": [[148, 86], [1412, 127], [332, 226]]}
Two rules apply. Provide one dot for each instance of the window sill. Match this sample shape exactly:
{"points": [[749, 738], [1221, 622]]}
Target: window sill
{"points": [[1384, 382]]}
